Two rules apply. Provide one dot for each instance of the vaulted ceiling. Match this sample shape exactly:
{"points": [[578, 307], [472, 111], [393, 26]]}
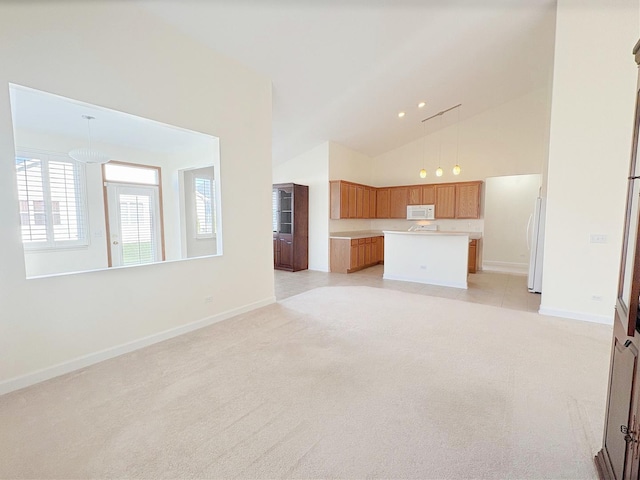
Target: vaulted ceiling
{"points": [[342, 70]]}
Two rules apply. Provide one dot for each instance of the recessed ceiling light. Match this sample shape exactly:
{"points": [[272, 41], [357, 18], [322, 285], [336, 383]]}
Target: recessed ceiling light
{"points": [[401, 114], [421, 104]]}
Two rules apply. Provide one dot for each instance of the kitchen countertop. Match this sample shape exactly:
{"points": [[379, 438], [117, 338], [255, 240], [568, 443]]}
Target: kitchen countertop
{"points": [[356, 234]]}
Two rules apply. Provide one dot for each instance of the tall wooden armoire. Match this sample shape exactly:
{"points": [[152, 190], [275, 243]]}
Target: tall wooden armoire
{"points": [[290, 227], [620, 455]]}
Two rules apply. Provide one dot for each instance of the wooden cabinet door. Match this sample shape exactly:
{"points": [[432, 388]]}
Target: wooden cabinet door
{"points": [[374, 250], [399, 198], [428, 195], [381, 249], [468, 200], [366, 203], [361, 252], [367, 252], [352, 201], [415, 195], [344, 200], [623, 364], [359, 201], [473, 255], [445, 201], [372, 203], [285, 247], [383, 204], [353, 257]]}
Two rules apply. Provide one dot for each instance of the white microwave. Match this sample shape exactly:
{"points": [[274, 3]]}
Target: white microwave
{"points": [[421, 212]]}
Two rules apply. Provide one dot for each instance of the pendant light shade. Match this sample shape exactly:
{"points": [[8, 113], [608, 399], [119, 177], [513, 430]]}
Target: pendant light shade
{"points": [[423, 173], [88, 155], [457, 170], [439, 172]]}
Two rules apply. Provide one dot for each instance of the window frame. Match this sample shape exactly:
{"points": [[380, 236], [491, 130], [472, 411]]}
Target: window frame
{"points": [[49, 212], [210, 179]]}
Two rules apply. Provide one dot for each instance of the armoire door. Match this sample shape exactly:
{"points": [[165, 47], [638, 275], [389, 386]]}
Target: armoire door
{"points": [[619, 457]]}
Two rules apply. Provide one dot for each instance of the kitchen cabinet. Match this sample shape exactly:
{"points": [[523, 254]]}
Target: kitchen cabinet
{"points": [[445, 200], [359, 201], [422, 195], [290, 226], [452, 200], [351, 200], [383, 205], [428, 195], [468, 200], [353, 195], [473, 256], [415, 195], [372, 202], [619, 457], [366, 202], [351, 254], [399, 196]]}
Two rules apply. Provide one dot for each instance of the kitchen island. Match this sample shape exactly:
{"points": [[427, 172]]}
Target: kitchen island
{"points": [[435, 258]]}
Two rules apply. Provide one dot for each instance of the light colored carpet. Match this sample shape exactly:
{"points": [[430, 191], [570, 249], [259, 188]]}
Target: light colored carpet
{"points": [[338, 382]]}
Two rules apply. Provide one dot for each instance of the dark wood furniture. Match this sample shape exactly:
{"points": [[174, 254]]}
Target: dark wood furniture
{"points": [[620, 455], [290, 227]]}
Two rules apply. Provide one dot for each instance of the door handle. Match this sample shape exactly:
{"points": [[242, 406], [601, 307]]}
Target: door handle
{"points": [[115, 242]]}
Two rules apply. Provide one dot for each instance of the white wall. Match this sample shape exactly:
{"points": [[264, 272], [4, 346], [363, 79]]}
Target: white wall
{"points": [[352, 166], [312, 169], [591, 126], [114, 55], [509, 202]]}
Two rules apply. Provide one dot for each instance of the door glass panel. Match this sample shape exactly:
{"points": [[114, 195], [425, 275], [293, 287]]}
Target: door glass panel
{"points": [[629, 251], [134, 225], [286, 213], [630, 233]]}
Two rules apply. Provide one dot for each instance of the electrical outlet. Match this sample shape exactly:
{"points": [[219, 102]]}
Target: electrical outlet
{"points": [[596, 298], [597, 238], [423, 267], [208, 299]]}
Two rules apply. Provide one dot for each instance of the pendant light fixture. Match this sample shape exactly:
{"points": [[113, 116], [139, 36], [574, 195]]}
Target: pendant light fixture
{"points": [[439, 169], [456, 169], [88, 155]]}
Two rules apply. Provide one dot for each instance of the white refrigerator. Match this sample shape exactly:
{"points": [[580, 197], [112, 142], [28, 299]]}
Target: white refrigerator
{"points": [[535, 241]]}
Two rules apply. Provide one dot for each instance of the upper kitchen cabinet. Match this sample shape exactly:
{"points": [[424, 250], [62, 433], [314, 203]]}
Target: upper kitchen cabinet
{"points": [[422, 195], [468, 200], [351, 200], [290, 226], [383, 202], [445, 200], [399, 196], [452, 200]]}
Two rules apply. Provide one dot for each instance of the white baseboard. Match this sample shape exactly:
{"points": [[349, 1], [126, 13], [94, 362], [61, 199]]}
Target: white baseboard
{"points": [[417, 280], [47, 373], [585, 317], [506, 267]]}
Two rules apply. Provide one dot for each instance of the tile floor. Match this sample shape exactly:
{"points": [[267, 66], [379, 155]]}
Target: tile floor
{"points": [[490, 288]]}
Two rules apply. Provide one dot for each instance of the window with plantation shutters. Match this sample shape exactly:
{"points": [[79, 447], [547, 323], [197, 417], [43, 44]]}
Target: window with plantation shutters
{"points": [[205, 216], [52, 201]]}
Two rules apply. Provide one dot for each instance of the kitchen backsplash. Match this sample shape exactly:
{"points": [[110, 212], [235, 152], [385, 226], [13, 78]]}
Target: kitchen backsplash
{"points": [[472, 225], [353, 225]]}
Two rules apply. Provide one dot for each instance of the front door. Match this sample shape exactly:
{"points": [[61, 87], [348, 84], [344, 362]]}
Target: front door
{"points": [[134, 224]]}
